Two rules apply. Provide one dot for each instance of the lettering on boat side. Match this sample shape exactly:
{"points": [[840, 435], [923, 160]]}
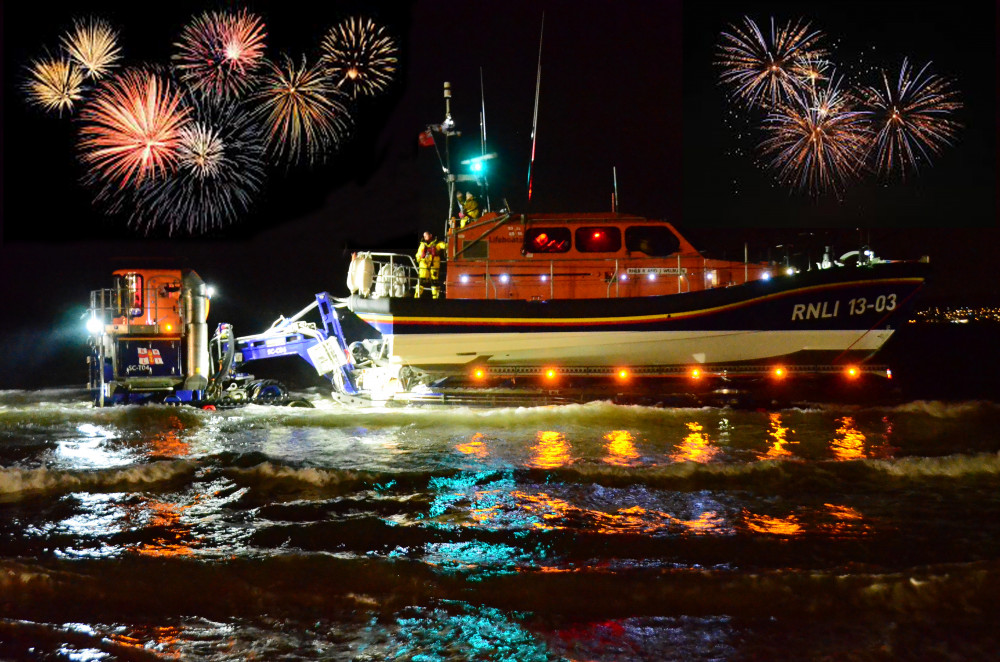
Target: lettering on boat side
{"points": [[883, 303], [669, 271]]}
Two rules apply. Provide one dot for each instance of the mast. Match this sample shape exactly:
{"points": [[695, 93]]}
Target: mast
{"points": [[482, 137], [538, 89]]}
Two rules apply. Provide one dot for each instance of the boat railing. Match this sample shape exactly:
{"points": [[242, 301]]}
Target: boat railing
{"points": [[395, 275], [109, 303], [613, 273]]}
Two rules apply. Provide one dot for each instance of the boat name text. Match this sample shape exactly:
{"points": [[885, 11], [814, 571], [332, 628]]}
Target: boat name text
{"points": [[883, 303]]}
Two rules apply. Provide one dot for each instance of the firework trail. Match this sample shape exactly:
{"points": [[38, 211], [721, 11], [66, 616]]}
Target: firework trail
{"points": [[131, 129], [762, 71], [912, 118], [360, 56], [54, 84], [817, 141], [302, 110], [220, 158], [220, 52], [93, 46]]}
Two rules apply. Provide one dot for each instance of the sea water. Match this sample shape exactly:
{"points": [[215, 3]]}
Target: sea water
{"points": [[578, 532]]}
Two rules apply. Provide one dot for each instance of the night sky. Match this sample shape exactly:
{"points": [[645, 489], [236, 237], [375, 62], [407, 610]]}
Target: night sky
{"points": [[630, 85]]}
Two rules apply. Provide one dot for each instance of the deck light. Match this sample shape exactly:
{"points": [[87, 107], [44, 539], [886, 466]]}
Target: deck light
{"points": [[766, 275], [210, 291], [550, 373], [94, 325], [479, 373], [888, 373], [504, 278], [169, 327], [852, 371], [464, 278], [790, 271], [624, 277], [544, 277], [623, 374], [652, 276], [779, 372], [695, 373]]}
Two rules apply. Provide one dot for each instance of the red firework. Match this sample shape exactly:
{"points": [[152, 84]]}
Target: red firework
{"points": [[220, 51], [132, 129]]}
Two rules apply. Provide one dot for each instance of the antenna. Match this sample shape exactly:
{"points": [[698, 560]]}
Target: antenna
{"points": [[614, 193], [538, 89], [482, 135]]}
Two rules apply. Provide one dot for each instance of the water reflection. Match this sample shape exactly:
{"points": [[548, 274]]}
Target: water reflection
{"points": [[777, 439], [850, 442], [551, 450], [695, 447], [778, 526], [621, 449], [176, 535], [474, 447], [169, 443]]}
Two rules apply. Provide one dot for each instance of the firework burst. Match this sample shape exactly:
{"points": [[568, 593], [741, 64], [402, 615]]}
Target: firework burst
{"points": [[817, 141], [912, 115], [93, 45], [360, 56], [220, 169], [131, 129], [302, 110], [220, 52], [54, 84], [766, 71]]}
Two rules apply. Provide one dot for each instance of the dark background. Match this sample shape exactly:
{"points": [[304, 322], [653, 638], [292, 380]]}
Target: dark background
{"points": [[626, 84]]}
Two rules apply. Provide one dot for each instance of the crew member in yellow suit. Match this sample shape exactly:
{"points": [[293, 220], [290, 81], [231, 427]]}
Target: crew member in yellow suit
{"points": [[429, 264], [471, 208]]}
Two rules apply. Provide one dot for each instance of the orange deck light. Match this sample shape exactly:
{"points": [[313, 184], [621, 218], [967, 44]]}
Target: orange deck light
{"points": [[479, 373], [779, 372], [550, 373], [852, 371], [695, 373], [623, 374]]}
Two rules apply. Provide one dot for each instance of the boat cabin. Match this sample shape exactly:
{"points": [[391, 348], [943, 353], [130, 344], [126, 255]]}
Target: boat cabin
{"points": [[580, 256]]}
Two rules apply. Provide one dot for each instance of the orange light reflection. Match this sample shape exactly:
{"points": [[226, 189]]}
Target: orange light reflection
{"points": [[474, 447], [169, 443], [777, 526], [778, 435], [174, 542], [850, 444], [695, 447], [621, 449], [551, 451]]}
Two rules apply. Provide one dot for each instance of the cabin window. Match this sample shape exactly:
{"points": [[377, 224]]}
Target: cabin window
{"points": [[128, 295], [547, 240], [475, 249], [605, 239], [654, 240]]}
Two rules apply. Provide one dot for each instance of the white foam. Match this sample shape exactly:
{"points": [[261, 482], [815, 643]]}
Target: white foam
{"points": [[17, 483]]}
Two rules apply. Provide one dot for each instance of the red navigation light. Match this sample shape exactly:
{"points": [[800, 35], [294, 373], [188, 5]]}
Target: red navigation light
{"points": [[541, 238], [598, 235], [852, 371], [623, 374]]}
